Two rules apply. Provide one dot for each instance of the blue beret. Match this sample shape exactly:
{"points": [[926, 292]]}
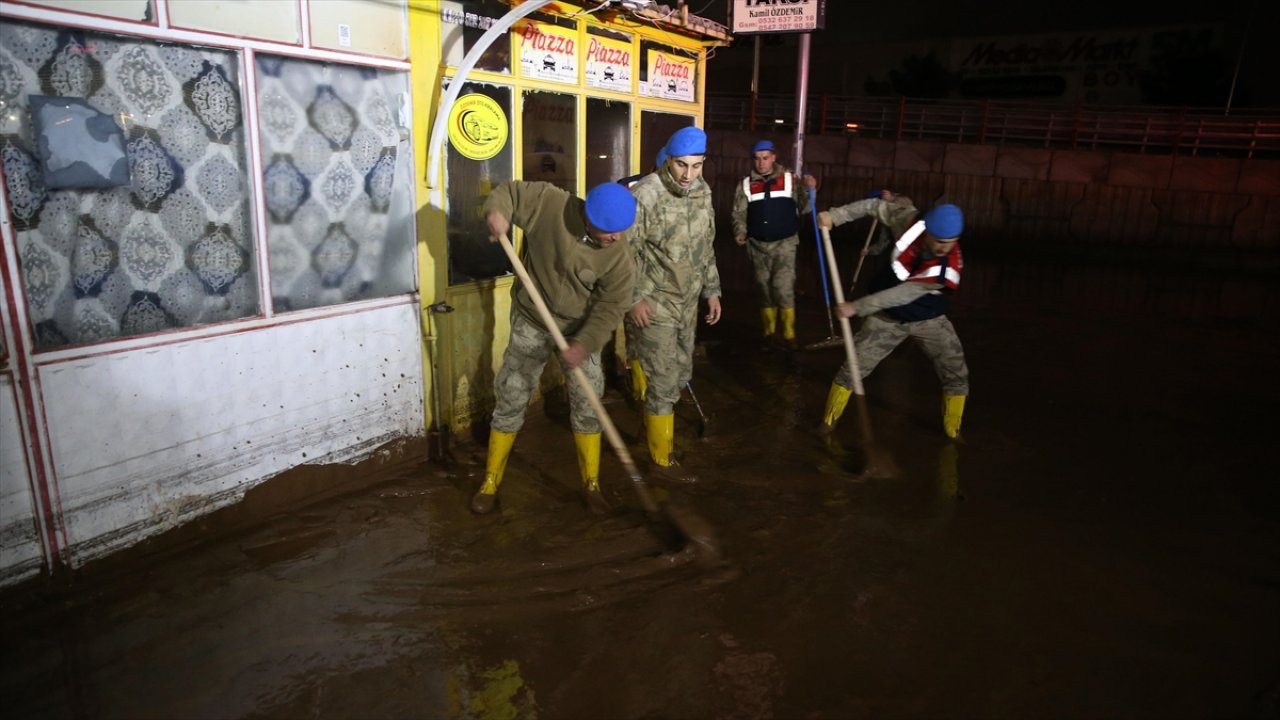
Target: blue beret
{"points": [[662, 158], [687, 141], [873, 194], [944, 222], [611, 207], [762, 145]]}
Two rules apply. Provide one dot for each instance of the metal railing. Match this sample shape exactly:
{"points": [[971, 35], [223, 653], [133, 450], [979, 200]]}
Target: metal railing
{"points": [[1142, 129]]}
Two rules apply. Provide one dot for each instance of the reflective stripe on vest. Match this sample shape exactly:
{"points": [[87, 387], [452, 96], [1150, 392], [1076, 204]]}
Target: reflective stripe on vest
{"points": [[927, 270], [785, 190]]}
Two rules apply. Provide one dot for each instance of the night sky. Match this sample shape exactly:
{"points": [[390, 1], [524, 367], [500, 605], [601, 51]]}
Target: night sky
{"points": [[1204, 80]]}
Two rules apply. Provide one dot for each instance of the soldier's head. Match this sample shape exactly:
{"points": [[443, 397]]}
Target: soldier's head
{"points": [[763, 157], [610, 209], [942, 227], [686, 152]]}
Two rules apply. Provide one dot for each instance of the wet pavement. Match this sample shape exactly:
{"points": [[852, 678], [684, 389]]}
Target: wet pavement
{"points": [[1106, 543]]}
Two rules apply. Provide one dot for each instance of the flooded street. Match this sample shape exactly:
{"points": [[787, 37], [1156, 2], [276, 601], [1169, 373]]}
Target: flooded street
{"points": [[1106, 543]]}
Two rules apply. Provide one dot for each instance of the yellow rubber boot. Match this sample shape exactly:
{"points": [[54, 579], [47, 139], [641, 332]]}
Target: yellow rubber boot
{"points": [[788, 316], [952, 412], [495, 466], [639, 386], [769, 316], [660, 430], [588, 445], [837, 399]]}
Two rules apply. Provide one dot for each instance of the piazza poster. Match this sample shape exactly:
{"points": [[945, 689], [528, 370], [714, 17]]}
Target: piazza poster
{"points": [[548, 52], [670, 76], [610, 63]]}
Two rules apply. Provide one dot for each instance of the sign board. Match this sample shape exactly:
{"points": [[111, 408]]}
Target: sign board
{"points": [[671, 77], [610, 64], [754, 17], [548, 52], [1104, 66], [477, 126]]}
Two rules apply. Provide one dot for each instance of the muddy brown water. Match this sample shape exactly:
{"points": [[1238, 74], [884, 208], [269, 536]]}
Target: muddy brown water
{"points": [[1105, 544]]}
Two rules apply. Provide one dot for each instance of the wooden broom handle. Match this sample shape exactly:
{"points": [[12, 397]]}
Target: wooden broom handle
{"points": [[845, 329]]}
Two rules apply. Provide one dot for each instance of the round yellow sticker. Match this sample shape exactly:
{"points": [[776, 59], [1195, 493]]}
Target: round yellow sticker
{"points": [[477, 126]]}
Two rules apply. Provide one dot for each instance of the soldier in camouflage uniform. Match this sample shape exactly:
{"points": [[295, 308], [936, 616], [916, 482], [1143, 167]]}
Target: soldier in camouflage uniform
{"points": [[675, 268], [910, 301], [765, 209], [585, 276]]}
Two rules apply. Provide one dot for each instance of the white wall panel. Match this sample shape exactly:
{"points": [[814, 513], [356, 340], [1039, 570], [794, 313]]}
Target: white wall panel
{"points": [[245, 18], [124, 9], [147, 439], [20, 554], [373, 27]]}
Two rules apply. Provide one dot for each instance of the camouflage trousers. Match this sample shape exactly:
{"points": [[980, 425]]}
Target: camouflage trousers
{"points": [[666, 356], [880, 334], [522, 366], [775, 264]]}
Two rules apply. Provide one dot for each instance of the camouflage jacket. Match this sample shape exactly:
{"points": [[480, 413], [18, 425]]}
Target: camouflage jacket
{"points": [[672, 246], [896, 215]]}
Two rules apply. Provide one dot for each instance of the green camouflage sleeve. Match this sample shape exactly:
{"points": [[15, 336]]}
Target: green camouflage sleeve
{"points": [[853, 211], [710, 274], [800, 193], [644, 284], [898, 295]]}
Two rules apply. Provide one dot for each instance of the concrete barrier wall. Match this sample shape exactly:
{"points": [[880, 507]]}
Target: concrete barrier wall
{"points": [[1208, 217]]}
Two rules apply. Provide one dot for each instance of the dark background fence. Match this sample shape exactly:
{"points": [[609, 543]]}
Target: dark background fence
{"points": [[1140, 129], [1111, 229]]}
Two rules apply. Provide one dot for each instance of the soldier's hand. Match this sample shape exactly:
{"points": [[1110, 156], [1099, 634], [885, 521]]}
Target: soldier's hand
{"points": [[845, 310], [824, 219], [499, 226], [713, 310], [574, 355], [811, 181], [741, 239], [640, 314]]}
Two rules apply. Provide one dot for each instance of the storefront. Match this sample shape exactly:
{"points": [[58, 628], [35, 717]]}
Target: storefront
{"points": [[220, 246], [572, 94]]}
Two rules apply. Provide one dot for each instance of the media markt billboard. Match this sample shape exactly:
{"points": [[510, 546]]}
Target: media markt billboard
{"points": [[752, 17]]}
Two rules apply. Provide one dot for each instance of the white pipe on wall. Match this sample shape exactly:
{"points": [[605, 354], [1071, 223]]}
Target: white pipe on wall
{"points": [[438, 131]]}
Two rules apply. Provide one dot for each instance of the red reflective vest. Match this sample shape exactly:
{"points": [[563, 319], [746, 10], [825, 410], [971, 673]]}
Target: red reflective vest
{"points": [[771, 207]]}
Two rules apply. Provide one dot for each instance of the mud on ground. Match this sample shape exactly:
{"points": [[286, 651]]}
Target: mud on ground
{"points": [[1105, 543]]}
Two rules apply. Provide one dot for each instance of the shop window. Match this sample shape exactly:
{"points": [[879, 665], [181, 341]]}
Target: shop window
{"points": [[337, 181], [609, 142], [462, 24], [550, 134], [470, 177], [173, 246], [655, 129]]}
